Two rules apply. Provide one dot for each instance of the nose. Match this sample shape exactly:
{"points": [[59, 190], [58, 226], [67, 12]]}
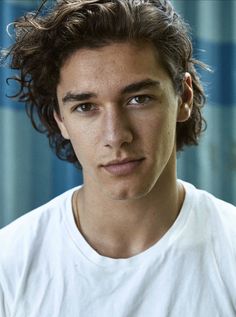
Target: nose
{"points": [[117, 128]]}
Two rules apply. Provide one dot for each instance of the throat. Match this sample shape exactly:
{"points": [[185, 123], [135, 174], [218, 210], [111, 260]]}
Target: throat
{"points": [[125, 233]]}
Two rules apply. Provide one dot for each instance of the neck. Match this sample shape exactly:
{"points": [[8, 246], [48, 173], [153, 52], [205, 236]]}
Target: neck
{"points": [[120, 229]]}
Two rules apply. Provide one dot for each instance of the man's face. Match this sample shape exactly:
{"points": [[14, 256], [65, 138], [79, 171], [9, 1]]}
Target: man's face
{"points": [[118, 103]]}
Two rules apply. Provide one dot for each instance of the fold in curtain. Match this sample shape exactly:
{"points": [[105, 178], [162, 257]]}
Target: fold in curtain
{"points": [[212, 165], [30, 174]]}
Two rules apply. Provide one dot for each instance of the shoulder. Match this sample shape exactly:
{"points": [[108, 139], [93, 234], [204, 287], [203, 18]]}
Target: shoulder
{"points": [[215, 220], [28, 242], [209, 203], [38, 216], [28, 230], [214, 214]]}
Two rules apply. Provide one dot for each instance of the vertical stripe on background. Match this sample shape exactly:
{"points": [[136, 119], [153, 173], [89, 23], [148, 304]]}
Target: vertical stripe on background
{"points": [[212, 165], [30, 174]]}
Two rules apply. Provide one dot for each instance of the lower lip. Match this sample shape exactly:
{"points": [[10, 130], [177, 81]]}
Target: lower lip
{"points": [[124, 168]]}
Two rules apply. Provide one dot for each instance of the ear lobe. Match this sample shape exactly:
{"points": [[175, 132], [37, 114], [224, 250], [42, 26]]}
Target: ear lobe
{"points": [[184, 112], [186, 100], [61, 125]]}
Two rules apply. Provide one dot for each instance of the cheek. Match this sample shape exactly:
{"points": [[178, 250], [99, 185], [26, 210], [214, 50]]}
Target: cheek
{"points": [[162, 125], [83, 143], [160, 133]]}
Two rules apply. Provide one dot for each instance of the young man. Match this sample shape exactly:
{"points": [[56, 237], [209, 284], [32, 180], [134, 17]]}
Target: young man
{"points": [[114, 84]]}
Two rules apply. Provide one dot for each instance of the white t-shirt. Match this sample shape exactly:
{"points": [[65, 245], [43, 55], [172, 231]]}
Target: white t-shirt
{"points": [[48, 269]]}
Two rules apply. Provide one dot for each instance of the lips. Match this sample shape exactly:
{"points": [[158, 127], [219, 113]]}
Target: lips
{"points": [[123, 167]]}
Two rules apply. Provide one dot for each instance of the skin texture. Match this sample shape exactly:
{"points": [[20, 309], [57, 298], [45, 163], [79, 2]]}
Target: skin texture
{"points": [[122, 214]]}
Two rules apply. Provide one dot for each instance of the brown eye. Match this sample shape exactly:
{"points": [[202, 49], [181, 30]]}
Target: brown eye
{"points": [[142, 99], [85, 107]]}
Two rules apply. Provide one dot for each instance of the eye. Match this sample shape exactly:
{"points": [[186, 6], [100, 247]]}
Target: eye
{"points": [[142, 99], [85, 107]]}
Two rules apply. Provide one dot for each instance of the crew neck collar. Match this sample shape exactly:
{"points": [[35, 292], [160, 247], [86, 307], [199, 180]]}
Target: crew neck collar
{"points": [[145, 256]]}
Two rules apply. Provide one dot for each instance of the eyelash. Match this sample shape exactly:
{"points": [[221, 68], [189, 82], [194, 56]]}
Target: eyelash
{"points": [[81, 105], [147, 98]]}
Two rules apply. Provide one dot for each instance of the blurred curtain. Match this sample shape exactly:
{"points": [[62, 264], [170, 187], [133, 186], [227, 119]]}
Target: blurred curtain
{"points": [[212, 165], [30, 174]]}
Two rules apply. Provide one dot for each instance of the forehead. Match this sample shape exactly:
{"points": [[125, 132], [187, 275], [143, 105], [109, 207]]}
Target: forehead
{"points": [[114, 65]]}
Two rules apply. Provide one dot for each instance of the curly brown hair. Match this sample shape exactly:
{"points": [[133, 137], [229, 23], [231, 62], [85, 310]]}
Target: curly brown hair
{"points": [[45, 41]]}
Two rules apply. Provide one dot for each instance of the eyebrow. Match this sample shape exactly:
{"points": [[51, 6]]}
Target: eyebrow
{"points": [[132, 88], [70, 96], [143, 84]]}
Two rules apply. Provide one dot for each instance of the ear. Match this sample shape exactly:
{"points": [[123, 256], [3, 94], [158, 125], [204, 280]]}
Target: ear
{"points": [[186, 99], [61, 125]]}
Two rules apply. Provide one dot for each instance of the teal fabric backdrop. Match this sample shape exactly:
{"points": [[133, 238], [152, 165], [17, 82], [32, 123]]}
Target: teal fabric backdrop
{"points": [[30, 174]]}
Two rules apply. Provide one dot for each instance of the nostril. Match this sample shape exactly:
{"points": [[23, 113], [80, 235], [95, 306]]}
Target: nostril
{"points": [[118, 138]]}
